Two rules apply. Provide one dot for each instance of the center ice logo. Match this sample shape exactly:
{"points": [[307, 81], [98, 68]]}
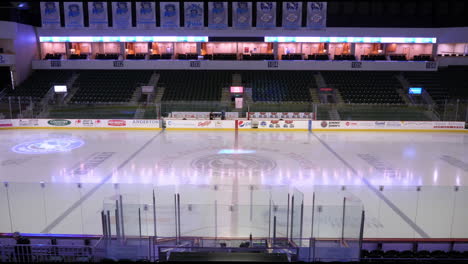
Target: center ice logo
{"points": [[224, 163], [47, 146]]}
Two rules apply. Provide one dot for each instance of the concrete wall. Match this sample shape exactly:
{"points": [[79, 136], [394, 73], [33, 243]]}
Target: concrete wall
{"points": [[26, 50]]}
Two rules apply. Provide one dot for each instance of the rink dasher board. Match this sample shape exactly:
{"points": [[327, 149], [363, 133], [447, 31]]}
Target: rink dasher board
{"points": [[148, 124], [240, 125], [390, 126]]}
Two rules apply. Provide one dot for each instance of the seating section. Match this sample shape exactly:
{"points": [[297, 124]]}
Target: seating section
{"points": [[193, 85], [108, 56], [373, 57], [50, 56], [78, 57], [345, 57], [221, 56], [431, 82], [138, 56], [278, 86], [318, 56], [423, 57], [397, 57], [187, 56], [292, 56], [456, 79], [365, 87], [108, 86], [258, 56], [40, 82]]}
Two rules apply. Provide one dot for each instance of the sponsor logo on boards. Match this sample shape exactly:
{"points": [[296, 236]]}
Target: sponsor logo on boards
{"points": [[324, 124], [5, 123], [28, 122], [379, 123], [334, 124], [244, 124], [59, 122], [116, 123], [145, 122], [85, 122], [203, 124]]}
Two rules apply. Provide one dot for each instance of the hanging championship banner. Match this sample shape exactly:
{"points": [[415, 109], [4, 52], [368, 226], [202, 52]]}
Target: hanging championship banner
{"points": [[242, 15], [122, 15], [170, 14], [292, 15], [145, 15], [73, 14], [193, 15], [50, 14], [316, 15], [97, 15], [217, 15], [266, 14]]}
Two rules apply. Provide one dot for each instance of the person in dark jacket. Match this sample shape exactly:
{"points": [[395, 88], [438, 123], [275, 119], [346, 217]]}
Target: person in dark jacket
{"points": [[22, 252]]}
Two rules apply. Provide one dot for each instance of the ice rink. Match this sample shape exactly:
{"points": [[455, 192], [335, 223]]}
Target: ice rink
{"points": [[411, 184]]}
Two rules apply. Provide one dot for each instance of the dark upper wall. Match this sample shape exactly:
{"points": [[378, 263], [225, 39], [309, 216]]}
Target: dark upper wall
{"points": [[341, 13]]}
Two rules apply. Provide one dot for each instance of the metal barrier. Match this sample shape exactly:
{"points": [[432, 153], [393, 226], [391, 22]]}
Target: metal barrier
{"points": [[45, 253]]}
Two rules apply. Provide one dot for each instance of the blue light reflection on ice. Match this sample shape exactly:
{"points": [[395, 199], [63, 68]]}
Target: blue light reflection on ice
{"points": [[49, 145], [236, 151]]}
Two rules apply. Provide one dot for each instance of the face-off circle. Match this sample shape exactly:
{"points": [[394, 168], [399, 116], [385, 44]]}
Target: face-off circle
{"points": [[47, 146]]}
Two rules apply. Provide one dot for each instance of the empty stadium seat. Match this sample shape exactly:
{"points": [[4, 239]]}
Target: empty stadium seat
{"points": [[108, 86], [279, 86], [373, 57], [365, 87], [193, 85]]}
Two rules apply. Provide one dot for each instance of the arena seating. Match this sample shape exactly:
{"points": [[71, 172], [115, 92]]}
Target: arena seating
{"points": [[155, 57], [78, 57], [456, 79], [318, 56], [108, 86], [365, 87], [108, 56], [397, 57], [344, 57], [277, 86], [50, 56], [292, 56], [193, 85], [187, 56], [222, 56], [423, 57], [258, 56], [431, 82], [138, 56], [373, 57], [40, 82]]}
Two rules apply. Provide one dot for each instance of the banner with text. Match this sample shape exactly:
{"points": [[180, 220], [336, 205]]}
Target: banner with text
{"points": [[266, 14], [50, 14], [97, 14], [82, 123], [317, 15], [217, 15], [194, 15], [170, 14], [242, 15], [73, 14], [145, 15], [121, 15], [292, 15]]}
